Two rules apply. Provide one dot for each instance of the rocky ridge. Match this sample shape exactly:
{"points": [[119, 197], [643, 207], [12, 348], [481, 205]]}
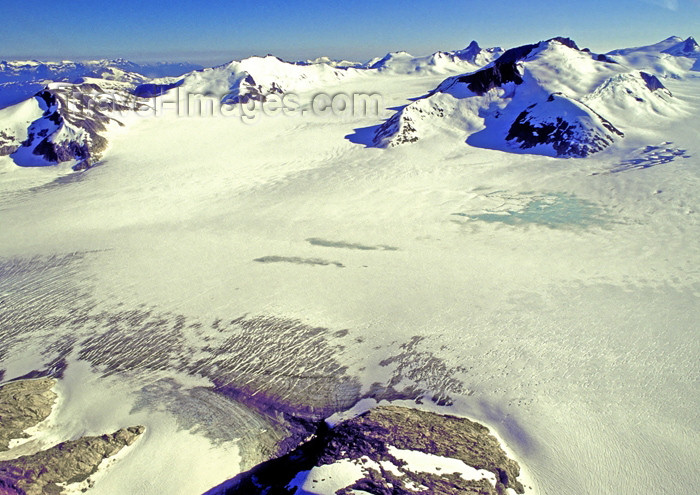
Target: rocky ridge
{"points": [[24, 404], [376, 452], [68, 462]]}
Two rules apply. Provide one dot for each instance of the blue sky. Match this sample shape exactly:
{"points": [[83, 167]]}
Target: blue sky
{"points": [[217, 31]]}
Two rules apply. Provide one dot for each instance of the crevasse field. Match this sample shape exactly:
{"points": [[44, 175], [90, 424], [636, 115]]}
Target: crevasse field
{"points": [[556, 300]]}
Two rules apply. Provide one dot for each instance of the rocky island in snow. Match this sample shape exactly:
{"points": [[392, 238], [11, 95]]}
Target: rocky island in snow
{"points": [[388, 449], [25, 404]]}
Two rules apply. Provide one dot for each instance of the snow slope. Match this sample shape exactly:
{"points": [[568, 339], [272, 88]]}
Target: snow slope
{"points": [[671, 57], [254, 79], [537, 98], [69, 125], [555, 300]]}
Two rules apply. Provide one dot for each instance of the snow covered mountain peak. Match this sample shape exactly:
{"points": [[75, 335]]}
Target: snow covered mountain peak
{"points": [[545, 98], [494, 98], [478, 56], [62, 123], [332, 62], [255, 78], [568, 126], [668, 45], [684, 48], [469, 58]]}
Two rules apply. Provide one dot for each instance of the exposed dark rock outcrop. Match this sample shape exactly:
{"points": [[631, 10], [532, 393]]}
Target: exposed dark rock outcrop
{"points": [[566, 42], [581, 133], [8, 143], [24, 404], [398, 129], [248, 90], [604, 58], [505, 69], [71, 126], [502, 71], [67, 462], [371, 439], [470, 52], [460, 101], [652, 82]]}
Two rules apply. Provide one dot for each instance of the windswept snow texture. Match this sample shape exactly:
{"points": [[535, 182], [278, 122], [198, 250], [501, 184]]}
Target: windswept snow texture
{"points": [[554, 300], [550, 98]]}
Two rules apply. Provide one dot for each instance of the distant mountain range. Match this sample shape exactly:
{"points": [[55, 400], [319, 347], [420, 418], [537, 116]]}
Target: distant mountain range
{"points": [[32, 70], [550, 98]]}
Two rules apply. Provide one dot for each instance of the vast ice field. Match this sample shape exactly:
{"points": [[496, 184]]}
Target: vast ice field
{"points": [[556, 300]]}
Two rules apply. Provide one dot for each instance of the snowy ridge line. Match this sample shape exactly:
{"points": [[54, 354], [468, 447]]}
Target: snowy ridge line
{"points": [[523, 102], [518, 101]]}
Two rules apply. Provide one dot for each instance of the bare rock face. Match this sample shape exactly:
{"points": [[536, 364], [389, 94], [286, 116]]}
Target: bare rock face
{"points": [[569, 127], [67, 462], [74, 119], [24, 404], [372, 445], [246, 90], [8, 143], [430, 433]]}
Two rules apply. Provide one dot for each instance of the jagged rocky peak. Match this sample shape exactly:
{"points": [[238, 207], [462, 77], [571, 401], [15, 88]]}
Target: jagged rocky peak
{"points": [[688, 47], [568, 127], [477, 55], [70, 126], [472, 49]]}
